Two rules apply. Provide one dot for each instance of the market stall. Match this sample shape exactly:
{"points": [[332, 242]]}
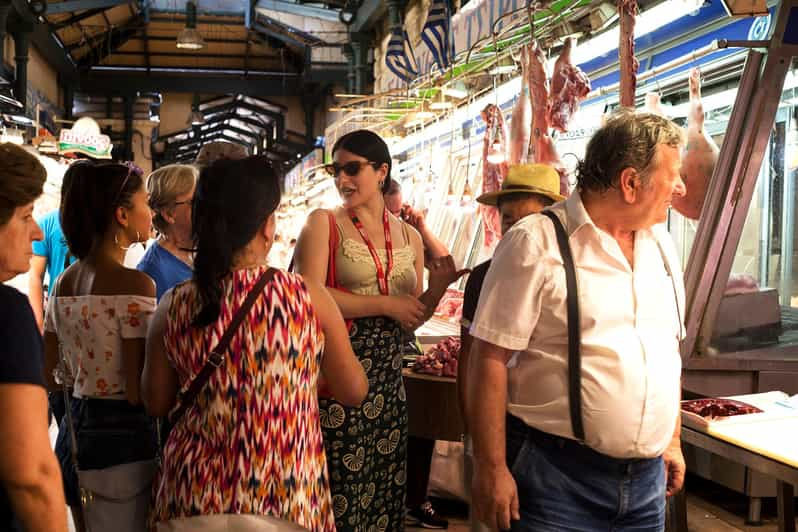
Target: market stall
{"points": [[737, 243]]}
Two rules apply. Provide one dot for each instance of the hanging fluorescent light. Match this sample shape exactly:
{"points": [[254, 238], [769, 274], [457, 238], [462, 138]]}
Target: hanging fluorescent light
{"points": [[189, 38]]}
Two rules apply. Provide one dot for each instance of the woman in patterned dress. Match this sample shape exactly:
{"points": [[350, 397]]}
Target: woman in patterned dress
{"points": [[251, 443], [378, 277]]}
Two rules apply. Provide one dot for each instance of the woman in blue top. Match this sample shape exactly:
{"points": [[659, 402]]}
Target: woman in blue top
{"points": [[169, 260]]}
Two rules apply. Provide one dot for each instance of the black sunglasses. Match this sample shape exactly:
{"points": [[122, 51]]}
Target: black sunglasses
{"points": [[352, 168]]}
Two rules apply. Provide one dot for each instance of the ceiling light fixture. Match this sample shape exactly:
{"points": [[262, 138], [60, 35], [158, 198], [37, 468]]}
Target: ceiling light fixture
{"points": [[189, 38]]}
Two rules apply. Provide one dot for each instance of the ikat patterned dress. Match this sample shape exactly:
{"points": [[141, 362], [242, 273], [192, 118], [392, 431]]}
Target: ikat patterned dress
{"points": [[367, 446], [252, 443]]}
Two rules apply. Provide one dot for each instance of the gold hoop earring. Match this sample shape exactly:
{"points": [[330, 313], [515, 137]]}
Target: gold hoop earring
{"points": [[116, 241]]}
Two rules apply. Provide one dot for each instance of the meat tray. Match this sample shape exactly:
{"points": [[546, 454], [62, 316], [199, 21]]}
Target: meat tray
{"points": [[704, 413]]}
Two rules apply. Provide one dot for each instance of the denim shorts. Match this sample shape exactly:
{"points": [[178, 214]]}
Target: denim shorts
{"points": [[564, 486], [109, 432]]}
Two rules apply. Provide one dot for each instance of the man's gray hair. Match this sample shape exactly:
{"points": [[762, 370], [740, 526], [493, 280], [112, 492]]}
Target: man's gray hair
{"points": [[628, 139]]}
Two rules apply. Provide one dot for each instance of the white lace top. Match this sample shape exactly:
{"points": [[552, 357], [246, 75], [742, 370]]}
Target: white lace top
{"points": [[90, 330], [355, 269]]}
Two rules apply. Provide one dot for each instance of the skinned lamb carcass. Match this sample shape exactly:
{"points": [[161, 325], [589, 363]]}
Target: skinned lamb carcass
{"points": [[542, 145], [494, 168], [699, 156], [522, 116], [569, 86]]}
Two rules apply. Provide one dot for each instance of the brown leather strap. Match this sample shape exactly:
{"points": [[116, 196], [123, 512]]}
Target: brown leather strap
{"points": [[217, 356]]}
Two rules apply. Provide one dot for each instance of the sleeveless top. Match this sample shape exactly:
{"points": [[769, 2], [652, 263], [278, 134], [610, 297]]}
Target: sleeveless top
{"points": [[355, 269], [252, 442]]}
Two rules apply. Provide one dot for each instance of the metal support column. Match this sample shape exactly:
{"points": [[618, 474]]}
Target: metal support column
{"points": [[128, 102], [5, 9], [69, 101], [21, 44]]}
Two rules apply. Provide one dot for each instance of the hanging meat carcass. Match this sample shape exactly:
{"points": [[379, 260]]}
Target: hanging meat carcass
{"points": [[699, 156], [541, 143], [494, 168], [627, 10], [569, 86], [520, 121]]}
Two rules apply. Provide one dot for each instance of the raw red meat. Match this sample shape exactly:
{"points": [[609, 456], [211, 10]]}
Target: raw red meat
{"points": [[542, 145], [494, 148], [440, 360], [627, 10], [715, 408], [522, 115], [699, 156], [569, 86], [740, 283]]}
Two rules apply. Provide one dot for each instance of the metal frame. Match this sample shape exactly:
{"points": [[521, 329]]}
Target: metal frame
{"points": [[786, 475], [728, 201], [281, 6], [70, 6]]}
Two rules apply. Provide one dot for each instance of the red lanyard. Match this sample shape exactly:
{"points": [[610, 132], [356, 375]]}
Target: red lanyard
{"points": [[382, 274]]}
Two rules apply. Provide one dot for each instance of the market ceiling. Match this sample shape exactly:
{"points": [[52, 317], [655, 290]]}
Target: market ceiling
{"points": [[257, 47]]}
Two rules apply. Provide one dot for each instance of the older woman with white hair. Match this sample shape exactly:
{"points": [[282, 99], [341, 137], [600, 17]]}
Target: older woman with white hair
{"points": [[169, 260]]}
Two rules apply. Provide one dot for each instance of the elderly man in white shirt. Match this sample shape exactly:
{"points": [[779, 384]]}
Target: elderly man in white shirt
{"points": [[532, 471]]}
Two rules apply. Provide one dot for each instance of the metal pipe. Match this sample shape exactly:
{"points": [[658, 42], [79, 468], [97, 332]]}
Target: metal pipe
{"points": [[670, 65]]}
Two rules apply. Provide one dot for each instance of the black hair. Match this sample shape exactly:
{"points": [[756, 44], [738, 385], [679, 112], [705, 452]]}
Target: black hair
{"points": [[232, 201], [517, 196], [369, 145], [90, 194]]}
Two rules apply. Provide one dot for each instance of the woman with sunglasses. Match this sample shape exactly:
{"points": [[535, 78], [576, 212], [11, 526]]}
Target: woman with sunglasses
{"points": [[98, 313], [169, 259], [374, 264]]}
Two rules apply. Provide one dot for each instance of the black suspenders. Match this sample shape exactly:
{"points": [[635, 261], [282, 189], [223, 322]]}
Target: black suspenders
{"points": [[574, 332]]}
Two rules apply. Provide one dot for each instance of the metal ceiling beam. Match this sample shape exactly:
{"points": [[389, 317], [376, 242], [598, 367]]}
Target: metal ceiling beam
{"points": [[281, 6], [191, 55], [200, 20], [278, 118], [113, 40], [74, 19], [369, 13], [174, 39], [45, 41], [263, 30], [70, 6], [126, 81]]}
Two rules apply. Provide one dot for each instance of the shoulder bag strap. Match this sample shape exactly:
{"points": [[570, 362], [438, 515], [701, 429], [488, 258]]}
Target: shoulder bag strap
{"points": [[63, 370], [217, 356], [574, 333], [333, 241]]}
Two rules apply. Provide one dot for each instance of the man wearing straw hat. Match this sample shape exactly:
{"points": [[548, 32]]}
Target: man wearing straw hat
{"points": [[528, 189], [582, 432]]}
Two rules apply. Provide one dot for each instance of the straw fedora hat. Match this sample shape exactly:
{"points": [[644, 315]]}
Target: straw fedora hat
{"points": [[535, 178]]}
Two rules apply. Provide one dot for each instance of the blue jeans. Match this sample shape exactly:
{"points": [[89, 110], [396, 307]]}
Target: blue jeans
{"points": [[564, 486]]}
